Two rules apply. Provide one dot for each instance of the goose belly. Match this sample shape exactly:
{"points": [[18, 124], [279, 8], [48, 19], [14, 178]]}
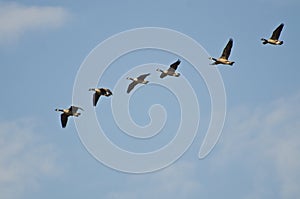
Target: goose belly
{"points": [[223, 61], [170, 73], [274, 42]]}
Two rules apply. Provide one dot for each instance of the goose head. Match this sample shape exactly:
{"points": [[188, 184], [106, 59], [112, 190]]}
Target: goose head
{"points": [[159, 70], [212, 58], [264, 41]]}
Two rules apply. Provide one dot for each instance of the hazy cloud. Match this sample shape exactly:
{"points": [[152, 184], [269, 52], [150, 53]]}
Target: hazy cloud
{"points": [[16, 19], [24, 158], [176, 181], [256, 157], [266, 142]]}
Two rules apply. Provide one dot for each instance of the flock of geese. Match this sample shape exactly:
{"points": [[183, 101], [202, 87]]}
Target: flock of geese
{"points": [[171, 71]]}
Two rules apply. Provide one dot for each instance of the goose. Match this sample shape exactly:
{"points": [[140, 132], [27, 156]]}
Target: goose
{"points": [[72, 111], [98, 92], [135, 81], [225, 55], [275, 37], [170, 71]]}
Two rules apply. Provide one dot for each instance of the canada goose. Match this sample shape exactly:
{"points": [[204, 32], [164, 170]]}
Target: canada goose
{"points": [[98, 92], [135, 81], [275, 36], [72, 111], [225, 55], [171, 70]]}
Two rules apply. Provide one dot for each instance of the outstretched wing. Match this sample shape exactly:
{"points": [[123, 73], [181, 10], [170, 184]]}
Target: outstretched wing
{"points": [[142, 77], [74, 109], [131, 86], [175, 64], [64, 120], [102, 91], [107, 92], [276, 32], [162, 75], [227, 49], [96, 97]]}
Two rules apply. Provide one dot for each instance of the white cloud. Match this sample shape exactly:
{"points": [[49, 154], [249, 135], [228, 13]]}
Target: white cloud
{"points": [[265, 141], [176, 181], [16, 19], [257, 157], [24, 158]]}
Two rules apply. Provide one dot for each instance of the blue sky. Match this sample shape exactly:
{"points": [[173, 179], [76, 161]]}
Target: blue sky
{"points": [[43, 44]]}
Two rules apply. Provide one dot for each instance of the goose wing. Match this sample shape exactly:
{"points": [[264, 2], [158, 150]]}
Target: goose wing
{"points": [[276, 32], [131, 86], [102, 91], [74, 109], [96, 97], [227, 49], [142, 77], [175, 64], [108, 92], [64, 120], [162, 75]]}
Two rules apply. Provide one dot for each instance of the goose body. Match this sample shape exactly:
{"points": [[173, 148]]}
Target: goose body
{"points": [[138, 80], [225, 55], [72, 111], [274, 39], [98, 92], [171, 70]]}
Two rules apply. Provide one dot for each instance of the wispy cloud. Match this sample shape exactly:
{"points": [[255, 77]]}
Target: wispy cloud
{"points": [[16, 19], [256, 157], [265, 141], [24, 158], [176, 181]]}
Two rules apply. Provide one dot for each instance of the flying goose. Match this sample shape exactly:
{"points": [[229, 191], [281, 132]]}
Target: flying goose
{"points": [[135, 81], [225, 55], [72, 111], [98, 92], [275, 36], [170, 71]]}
